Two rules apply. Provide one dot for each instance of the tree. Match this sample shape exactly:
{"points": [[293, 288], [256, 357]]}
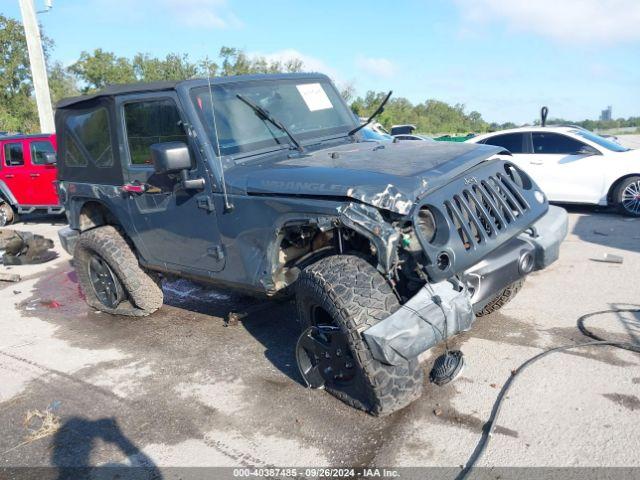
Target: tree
{"points": [[17, 108], [237, 62], [98, 69], [172, 67], [62, 83], [348, 92], [432, 116]]}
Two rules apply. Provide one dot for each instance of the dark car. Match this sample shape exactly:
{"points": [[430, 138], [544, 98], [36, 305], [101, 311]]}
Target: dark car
{"points": [[262, 184]]}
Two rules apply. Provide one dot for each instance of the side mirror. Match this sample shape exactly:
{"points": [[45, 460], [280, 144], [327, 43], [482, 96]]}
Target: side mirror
{"points": [[50, 158], [174, 157], [587, 150], [170, 157]]}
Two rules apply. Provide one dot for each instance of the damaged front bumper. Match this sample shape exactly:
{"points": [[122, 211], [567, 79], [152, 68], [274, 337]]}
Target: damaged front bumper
{"points": [[68, 238], [420, 323]]}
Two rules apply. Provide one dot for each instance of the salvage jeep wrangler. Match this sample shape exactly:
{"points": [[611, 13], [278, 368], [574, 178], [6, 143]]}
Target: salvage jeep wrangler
{"points": [[264, 184]]}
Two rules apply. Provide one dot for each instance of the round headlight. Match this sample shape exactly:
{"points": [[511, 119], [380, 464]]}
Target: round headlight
{"points": [[427, 224]]}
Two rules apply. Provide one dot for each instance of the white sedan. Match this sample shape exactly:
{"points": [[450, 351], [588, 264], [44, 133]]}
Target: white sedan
{"points": [[574, 165]]}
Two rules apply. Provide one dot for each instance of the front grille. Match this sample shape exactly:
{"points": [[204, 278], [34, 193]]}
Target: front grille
{"points": [[486, 207], [476, 213]]}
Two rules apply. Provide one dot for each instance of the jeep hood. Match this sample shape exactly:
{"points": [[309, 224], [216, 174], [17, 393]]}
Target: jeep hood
{"points": [[386, 175]]}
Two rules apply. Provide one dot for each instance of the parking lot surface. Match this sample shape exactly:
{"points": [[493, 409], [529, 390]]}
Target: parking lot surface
{"points": [[180, 388]]}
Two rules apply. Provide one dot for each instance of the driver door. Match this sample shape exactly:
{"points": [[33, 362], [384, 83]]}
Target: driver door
{"points": [[178, 227]]}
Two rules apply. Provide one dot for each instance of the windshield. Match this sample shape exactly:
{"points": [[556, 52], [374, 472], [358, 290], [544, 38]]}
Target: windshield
{"points": [[603, 142], [310, 109]]}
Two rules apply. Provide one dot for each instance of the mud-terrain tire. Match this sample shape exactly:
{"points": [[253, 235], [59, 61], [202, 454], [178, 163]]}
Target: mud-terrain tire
{"points": [[501, 299], [140, 296], [7, 214], [623, 196], [351, 295]]}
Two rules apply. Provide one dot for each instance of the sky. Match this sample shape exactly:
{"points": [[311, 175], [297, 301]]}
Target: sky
{"points": [[503, 58]]}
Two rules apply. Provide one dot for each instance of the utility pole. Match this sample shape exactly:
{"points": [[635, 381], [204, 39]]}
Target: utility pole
{"points": [[38, 67]]}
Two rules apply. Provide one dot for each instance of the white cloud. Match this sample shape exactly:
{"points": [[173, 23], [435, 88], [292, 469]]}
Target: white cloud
{"points": [[203, 13], [566, 21], [378, 67]]}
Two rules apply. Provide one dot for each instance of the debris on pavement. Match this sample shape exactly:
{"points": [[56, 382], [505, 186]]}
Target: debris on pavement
{"points": [[233, 318], [50, 304], [609, 258], [25, 248], [9, 277], [40, 424]]}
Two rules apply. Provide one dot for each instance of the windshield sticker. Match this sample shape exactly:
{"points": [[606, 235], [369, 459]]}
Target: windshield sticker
{"points": [[314, 96]]}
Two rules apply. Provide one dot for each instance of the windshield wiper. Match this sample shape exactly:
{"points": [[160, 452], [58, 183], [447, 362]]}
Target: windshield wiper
{"points": [[264, 114], [378, 111]]}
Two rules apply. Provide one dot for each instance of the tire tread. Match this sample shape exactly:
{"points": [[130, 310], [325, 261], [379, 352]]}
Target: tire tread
{"points": [[360, 297]]}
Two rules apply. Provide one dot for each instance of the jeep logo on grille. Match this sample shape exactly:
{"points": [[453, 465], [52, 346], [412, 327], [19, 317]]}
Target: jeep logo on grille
{"points": [[470, 180]]}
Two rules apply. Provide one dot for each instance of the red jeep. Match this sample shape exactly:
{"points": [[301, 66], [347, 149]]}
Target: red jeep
{"points": [[27, 176]]}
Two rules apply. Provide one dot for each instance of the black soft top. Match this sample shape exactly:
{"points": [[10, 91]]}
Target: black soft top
{"points": [[141, 87]]}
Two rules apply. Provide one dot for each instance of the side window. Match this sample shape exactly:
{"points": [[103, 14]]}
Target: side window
{"points": [[514, 142], [38, 150], [544, 142], [73, 157], [89, 138], [149, 122], [13, 155]]}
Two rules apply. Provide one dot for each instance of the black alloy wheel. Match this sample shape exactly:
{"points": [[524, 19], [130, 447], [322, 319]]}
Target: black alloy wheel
{"points": [[105, 284], [325, 358]]}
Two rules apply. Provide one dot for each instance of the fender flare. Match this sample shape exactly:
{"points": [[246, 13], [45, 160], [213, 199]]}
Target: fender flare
{"points": [[6, 194], [614, 185]]}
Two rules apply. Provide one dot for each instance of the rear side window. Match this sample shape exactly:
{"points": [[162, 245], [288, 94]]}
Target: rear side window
{"points": [[13, 155], [38, 151], [544, 142], [514, 142], [149, 122], [90, 139]]}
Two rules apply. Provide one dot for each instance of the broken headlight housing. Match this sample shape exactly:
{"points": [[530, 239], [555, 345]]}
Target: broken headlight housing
{"points": [[426, 222]]}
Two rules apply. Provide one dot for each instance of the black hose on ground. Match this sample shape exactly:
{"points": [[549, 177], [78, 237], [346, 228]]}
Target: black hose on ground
{"points": [[488, 428]]}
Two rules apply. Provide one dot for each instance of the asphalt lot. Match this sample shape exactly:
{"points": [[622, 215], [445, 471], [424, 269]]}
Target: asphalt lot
{"points": [[186, 390], [180, 388]]}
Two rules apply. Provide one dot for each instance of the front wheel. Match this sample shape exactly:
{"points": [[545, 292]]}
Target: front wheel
{"points": [[627, 196], [337, 298], [7, 215]]}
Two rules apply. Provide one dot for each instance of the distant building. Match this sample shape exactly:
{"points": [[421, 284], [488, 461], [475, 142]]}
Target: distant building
{"points": [[607, 114]]}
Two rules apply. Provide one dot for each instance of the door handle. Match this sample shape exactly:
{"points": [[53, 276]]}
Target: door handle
{"points": [[536, 162], [34, 175], [9, 175]]}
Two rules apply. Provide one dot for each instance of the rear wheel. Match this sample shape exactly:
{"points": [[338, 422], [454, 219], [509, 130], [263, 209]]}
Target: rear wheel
{"points": [[111, 277], [627, 196], [337, 298], [7, 215]]}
